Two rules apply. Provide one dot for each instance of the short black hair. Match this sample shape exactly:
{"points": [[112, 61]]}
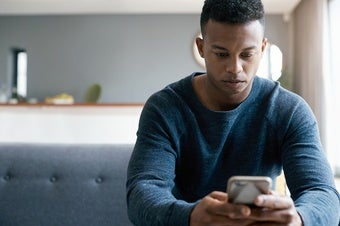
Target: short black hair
{"points": [[232, 11]]}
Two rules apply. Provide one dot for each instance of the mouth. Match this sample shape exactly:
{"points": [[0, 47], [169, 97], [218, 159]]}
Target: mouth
{"points": [[233, 84], [232, 81]]}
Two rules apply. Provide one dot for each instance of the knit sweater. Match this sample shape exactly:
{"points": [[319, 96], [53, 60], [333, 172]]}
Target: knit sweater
{"points": [[184, 151]]}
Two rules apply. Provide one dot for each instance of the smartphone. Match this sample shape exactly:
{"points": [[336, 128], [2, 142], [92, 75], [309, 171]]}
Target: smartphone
{"points": [[244, 189]]}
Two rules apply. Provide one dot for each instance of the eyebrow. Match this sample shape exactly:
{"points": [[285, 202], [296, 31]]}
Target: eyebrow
{"points": [[222, 48]]}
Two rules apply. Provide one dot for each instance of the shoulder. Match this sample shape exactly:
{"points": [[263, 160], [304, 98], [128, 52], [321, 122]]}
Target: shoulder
{"points": [[171, 93], [171, 101], [179, 93], [283, 107], [166, 111], [272, 94]]}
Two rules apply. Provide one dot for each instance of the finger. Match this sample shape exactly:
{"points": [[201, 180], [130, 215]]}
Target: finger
{"points": [[218, 195], [222, 207], [235, 211], [272, 192], [274, 201], [278, 216], [211, 210]]}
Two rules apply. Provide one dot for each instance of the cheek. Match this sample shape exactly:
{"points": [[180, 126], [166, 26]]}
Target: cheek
{"points": [[214, 66], [211, 59], [254, 64]]}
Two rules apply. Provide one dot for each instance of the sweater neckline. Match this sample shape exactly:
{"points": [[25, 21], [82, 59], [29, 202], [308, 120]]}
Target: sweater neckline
{"points": [[249, 99]]}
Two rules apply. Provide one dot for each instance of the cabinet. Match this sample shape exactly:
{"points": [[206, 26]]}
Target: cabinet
{"points": [[79, 123]]}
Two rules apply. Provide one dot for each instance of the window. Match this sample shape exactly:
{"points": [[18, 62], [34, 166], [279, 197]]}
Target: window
{"points": [[271, 64], [19, 79], [334, 120]]}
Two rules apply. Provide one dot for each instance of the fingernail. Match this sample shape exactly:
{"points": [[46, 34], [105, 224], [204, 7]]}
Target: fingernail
{"points": [[245, 211], [259, 200]]}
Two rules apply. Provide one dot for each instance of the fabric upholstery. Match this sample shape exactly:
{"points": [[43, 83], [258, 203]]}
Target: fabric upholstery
{"points": [[63, 184]]}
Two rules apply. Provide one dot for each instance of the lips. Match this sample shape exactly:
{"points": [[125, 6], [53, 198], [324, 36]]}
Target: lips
{"points": [[232, 81], [233, 84]]}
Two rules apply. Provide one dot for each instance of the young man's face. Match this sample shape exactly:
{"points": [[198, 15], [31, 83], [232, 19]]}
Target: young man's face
{"points": [[232, 54]]}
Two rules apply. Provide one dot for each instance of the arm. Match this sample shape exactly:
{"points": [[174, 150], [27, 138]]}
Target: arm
{"points": [[307, 171], [151, 173]]}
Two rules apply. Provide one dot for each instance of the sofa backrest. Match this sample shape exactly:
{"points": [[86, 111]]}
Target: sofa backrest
{"points": [[63, 184]]}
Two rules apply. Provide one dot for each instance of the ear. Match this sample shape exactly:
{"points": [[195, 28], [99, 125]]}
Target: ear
{"points": [[264, 44], [200, 44]]}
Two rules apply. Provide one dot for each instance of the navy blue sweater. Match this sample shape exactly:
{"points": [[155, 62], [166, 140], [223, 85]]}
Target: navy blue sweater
{"points": [[184, 151]]}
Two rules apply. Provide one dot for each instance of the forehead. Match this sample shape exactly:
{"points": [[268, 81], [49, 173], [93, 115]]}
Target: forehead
{"points": [[234, 33]]}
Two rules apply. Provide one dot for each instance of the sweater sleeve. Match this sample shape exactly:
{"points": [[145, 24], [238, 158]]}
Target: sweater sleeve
{"points": [[308, 173], [151, 172]]}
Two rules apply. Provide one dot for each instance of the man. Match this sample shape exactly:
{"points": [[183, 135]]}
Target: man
{"points": [[198, 132]]}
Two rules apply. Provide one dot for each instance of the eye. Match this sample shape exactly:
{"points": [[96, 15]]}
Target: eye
{"points": [[221, 54], [247, 54]]}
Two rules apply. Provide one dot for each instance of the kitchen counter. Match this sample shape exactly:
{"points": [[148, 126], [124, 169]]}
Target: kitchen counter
{"points": [[76, 123]]}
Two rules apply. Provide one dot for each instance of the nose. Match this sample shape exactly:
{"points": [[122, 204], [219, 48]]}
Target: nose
{"points": [[234, 65]]}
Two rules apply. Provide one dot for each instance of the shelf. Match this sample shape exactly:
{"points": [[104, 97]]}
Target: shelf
{"points": [[74, 105]]}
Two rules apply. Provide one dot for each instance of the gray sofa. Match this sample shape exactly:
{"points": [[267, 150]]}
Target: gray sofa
{"points": [[63, 184]]}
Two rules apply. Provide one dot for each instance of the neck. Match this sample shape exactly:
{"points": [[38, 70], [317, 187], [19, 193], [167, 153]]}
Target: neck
{"points": [[212, 99]]}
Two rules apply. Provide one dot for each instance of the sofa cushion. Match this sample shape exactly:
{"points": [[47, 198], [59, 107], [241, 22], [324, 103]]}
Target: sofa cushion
{"points": [[63, 184]]}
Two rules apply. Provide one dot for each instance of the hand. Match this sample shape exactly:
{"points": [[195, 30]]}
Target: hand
{"points": [[214, 210], [275, 210]]}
